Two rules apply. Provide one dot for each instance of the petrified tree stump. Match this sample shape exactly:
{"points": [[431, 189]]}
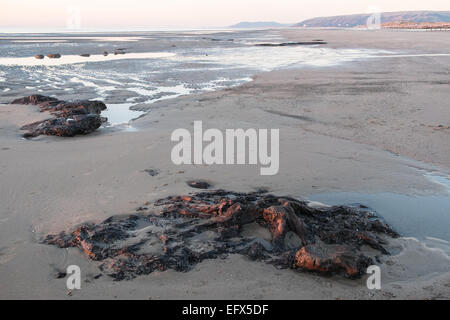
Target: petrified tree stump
{"points": [[180, 231], [70, 118]]}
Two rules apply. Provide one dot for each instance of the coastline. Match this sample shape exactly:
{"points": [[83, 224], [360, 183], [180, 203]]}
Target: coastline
{"points": [[90, 178]]}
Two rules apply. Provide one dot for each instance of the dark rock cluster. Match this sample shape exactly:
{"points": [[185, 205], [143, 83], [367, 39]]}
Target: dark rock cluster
{"points": [[85, 55], [70, 118], [290, 44], [180, 231]]}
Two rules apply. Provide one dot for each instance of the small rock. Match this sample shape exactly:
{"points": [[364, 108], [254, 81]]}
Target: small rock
{"points": [[199, 184], [152, 172]]}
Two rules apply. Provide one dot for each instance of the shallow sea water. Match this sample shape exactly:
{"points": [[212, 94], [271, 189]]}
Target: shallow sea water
{"points": [[209, 61], [418, 216]]}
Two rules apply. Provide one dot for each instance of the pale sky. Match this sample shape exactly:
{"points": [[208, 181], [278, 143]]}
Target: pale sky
{"points": [[186, 13]]}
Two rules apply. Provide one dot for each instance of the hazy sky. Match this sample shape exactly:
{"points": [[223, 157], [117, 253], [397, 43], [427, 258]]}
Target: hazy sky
{"points": [[186, 13]]}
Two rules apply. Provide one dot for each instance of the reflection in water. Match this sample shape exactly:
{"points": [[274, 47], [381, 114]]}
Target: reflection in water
{"points": [[412, 216]]}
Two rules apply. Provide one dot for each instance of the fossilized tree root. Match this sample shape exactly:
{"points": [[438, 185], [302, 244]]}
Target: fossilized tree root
{"points": [[178, 232]]}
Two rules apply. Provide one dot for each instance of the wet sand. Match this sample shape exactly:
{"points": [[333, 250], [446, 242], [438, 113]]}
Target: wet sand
{"points": [[367, 126]]}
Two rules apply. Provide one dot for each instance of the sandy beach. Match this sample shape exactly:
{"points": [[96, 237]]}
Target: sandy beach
{"points": [[370, 126]]}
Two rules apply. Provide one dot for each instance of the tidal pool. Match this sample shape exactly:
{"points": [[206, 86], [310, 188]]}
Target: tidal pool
{"points": [[412, 216], [120, 113]]}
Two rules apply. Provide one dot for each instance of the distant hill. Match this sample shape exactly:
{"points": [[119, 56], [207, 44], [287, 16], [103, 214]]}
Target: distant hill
{"points": [[260, 24], [355, 20]]}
